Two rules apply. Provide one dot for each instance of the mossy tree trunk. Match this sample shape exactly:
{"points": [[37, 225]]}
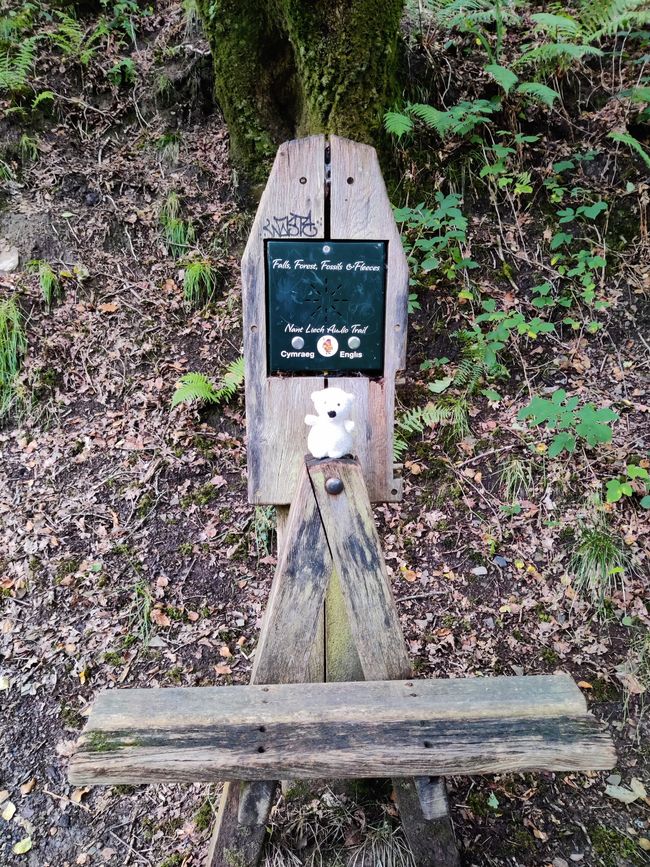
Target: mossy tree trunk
{"points": [[288, 68]]}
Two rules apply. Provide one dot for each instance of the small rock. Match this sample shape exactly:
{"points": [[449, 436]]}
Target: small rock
{"points": [[9, 256], [92, 198], [614, 779], [560, 862], [578, 856], [518, 670], [500, 561], [479, 570], [63, 821], [489, 622]]}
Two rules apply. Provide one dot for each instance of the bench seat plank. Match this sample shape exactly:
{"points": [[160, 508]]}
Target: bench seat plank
{"points": [[346, 730]]}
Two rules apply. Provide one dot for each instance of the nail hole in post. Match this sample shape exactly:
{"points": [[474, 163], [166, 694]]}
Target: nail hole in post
{"points": [[350, 180], [262, 729], [428, 744], [253, 328], [303, 180], [261, 750]]}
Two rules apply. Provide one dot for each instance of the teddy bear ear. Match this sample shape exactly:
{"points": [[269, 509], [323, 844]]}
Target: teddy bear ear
{"points": [[315, 396]]}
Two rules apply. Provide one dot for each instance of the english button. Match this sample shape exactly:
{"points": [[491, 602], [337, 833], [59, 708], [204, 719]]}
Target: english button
{"points": [[354, 342]]}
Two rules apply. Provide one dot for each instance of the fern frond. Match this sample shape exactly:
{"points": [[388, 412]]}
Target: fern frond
{"points": [[629, 140], [469, 373], [197, 387], [194, 387], [464, 13], [561, 25], [397, 123], [233, 377], [538, 91], [601, 18], [555, 52], [15, 68]]}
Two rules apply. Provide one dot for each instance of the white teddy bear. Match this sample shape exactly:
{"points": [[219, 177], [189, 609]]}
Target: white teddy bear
{"points": [[330, 434]]}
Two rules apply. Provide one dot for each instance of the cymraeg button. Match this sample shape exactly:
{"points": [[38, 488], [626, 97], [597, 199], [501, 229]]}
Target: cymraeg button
{"points": [[297, 342]]}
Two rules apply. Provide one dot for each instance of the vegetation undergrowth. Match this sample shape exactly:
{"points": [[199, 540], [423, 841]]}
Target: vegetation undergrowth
{"points": [[13, 345]]}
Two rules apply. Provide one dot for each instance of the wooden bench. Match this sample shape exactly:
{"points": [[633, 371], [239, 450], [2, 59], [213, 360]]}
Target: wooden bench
{"points": [[342, 730]]}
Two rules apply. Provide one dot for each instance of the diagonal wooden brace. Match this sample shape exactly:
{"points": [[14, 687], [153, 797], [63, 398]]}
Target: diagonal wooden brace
{"points": [[325, 532]]}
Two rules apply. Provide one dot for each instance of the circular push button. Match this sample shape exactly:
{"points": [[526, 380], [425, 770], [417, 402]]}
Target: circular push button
{"points": [[354, 342], [297, 342]]}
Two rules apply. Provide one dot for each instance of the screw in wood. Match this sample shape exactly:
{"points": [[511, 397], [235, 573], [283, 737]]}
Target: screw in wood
{"points": [[333, 485]]}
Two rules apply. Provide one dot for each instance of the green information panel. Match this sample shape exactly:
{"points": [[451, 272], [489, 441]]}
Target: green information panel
{"points": [[326, 303]]}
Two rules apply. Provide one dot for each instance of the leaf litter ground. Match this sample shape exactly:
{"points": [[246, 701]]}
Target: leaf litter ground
{"points": [[130, 556]]}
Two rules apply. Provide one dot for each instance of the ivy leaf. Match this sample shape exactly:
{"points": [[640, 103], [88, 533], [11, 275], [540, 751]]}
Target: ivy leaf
{"points": [[645, 502], [503, 76]]}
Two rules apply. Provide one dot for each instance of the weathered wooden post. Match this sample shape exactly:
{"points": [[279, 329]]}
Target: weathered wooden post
{"points": [[325, 290]]}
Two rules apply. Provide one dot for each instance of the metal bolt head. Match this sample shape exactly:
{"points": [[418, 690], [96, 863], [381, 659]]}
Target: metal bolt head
{"points": [[333, 485], [297, 342]]}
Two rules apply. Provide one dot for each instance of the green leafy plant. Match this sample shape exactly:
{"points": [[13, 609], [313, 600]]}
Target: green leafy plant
{"points": [[494, 341], [598, 563], [168, 146], [178, 233], [432, 237], [450, 412], [459, 120], [48, 280], [75, 40], [28, 149], [571, 422], [621, 486], [121, 16], [13, 346], [480, 18], [197, 387], [199, 282], [16, 64], [627, 139], [123, 72]]}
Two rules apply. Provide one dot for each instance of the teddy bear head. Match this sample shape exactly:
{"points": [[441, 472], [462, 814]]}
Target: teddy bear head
{"points": [[333, 403]]}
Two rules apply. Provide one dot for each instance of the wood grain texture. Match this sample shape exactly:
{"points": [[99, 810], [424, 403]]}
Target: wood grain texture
{"points": [[356, 552], [283, 654], [275, 405], [360, 210], [294, 609], [366, 729], [425, 816], [238, 832]]}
